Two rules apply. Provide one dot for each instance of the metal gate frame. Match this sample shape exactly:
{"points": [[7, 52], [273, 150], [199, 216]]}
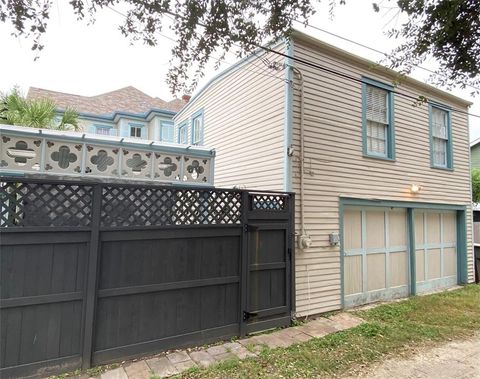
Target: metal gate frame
{"points": [[254, 208]]}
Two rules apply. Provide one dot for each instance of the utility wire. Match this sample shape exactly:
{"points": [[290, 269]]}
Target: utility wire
{"points": [[371, 49], [325, 69]]}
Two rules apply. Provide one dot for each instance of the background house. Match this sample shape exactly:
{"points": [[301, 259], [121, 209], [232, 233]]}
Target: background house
{"points": [[126, 112], [382, 183]]}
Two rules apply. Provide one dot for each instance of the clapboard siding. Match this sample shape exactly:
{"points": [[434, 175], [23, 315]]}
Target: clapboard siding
{"points": [[335, 166], [244, 122], [475, 151]]}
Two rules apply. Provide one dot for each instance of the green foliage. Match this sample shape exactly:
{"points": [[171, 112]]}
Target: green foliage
{"points": [[17, 110], [476, 185], [448, 30]]}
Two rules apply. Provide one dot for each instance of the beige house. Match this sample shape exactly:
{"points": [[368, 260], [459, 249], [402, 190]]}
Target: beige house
{"points": [[382, 182]]}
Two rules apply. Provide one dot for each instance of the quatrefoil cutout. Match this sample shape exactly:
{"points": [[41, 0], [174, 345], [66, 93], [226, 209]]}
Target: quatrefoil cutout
{"points": [[136, 163], [63, 157], [102, 160], [195, 170], [167, 166], [21, 153]]}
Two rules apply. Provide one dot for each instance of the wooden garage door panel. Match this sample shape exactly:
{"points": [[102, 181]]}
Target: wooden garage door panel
{"points": [[376, 272], [449, 228], [450, 261], [434, 264], [353, 274], [433, 228], [352, 225], [398, 269], [375, 229], [420, 265], [397, 228], [419, 232]]}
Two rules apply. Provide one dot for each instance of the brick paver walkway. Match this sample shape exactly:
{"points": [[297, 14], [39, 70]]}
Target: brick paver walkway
{"points": [[165, 365]]}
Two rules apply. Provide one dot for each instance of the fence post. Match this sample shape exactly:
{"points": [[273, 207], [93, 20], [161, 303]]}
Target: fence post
{"points": [[244, 264], [92, 277]]}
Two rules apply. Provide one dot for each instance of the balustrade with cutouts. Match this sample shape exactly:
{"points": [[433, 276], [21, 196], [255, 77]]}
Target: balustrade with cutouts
{"points": [[33, 151]]}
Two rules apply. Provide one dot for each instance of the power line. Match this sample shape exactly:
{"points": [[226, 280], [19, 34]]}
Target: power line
{"points": [[319, 67], [349, 77], [372, 49]]}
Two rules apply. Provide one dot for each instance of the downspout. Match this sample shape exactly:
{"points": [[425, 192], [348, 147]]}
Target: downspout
{"points": [[304, 240]]}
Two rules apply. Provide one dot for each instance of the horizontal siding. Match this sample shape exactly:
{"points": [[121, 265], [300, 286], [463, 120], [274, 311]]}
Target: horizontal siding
{"points": [[244, 123], [475, 156], [335, 166]]}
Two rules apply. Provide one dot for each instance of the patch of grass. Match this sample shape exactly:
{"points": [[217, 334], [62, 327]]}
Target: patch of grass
{"points": [[389, 329], [94, 371]]}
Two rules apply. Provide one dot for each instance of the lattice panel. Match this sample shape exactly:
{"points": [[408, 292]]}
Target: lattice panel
{"points": [[269, 202], [42, 204], [140, 206]]}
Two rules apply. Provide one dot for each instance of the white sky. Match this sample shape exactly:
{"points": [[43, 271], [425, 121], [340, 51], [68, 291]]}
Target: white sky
{"points": [[91, 59]]}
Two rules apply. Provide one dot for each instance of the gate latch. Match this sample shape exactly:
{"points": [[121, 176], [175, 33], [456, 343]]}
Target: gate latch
{"points": [[247, 315]]}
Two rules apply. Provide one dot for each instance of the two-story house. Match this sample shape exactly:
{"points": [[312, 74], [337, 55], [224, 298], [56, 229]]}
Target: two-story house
{"points": [[126, 112], [382, 181]]}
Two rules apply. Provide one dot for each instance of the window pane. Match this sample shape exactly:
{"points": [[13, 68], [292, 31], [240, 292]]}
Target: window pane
{"points": [[377, 107], [376, 138], [103, 131], [439, 152], [167, 132], [439, 123], [139, 132], [197, 126], [132, 131]]}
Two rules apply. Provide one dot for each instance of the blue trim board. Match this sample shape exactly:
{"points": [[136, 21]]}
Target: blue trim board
{"points": [[112, 116], [242, 62], [390, 156], [288, 116]]}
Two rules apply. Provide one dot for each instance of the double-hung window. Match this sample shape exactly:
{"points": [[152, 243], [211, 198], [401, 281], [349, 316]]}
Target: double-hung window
{"points": [[197, 128], [440, 132], [183, 133], [378, 128], [103, 130], [136, 131], [166, 131]]}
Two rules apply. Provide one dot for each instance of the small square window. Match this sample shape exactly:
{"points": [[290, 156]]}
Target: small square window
{"points": [[136, 131]]}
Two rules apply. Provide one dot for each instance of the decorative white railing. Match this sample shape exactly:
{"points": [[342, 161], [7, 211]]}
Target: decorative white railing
{"points": [[47, 152]]}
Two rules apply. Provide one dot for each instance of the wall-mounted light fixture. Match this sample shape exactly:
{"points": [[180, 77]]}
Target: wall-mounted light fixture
{"points": [[415, 188]]}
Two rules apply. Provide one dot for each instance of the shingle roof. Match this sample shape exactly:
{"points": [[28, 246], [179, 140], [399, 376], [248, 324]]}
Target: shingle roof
{"points": [[128, 99]]}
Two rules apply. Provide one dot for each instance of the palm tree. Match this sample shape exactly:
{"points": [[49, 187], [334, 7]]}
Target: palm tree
{"points": [[17, 110]]}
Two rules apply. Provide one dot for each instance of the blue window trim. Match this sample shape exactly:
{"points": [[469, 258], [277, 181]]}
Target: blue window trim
{"points": [[166, 123], [196, 115], [182, 125], [390, 156], [449, 166]]}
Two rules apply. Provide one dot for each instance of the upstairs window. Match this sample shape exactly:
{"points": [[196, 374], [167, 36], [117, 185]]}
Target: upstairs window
{"points": [[197, 128], [440, 140], [166, 131], [103, 130], [183, 133], [378, 133], [136, 131]]}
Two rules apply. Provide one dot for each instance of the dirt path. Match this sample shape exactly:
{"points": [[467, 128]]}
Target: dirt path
{"points": [[458, 360]]}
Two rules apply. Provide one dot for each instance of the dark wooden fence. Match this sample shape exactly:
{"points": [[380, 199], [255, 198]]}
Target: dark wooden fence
{"points": [[93, 273]]}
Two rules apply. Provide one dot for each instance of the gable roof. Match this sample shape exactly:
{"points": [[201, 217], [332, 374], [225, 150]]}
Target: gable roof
{"points": [[475, 142], [126, 100]]}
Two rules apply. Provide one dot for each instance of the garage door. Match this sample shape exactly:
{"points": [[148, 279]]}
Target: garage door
{"points": [[436, 250], [376, 259]]}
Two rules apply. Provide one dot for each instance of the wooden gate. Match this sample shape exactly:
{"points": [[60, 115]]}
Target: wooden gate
{"points": [[94, 273]]}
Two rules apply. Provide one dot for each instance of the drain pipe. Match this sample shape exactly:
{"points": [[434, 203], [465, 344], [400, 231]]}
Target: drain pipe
{"points": [[304, 240]]}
